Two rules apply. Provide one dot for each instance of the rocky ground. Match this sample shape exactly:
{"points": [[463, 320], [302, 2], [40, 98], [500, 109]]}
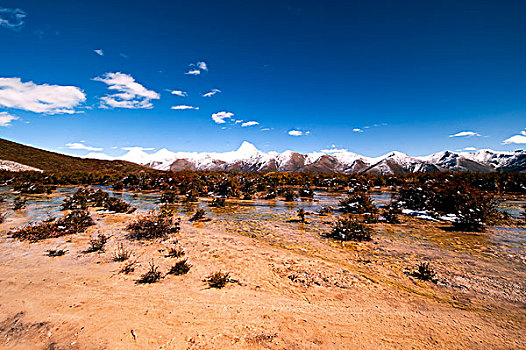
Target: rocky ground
{"points": [[289, 288]]}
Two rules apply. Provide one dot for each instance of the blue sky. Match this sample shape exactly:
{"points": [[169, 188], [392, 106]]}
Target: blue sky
{"points": [[370, 77]]}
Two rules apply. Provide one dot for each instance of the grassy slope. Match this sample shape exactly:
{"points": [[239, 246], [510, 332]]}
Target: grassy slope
{"points": [[50, 161]]}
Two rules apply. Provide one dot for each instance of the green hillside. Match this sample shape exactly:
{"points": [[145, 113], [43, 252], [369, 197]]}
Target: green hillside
{"points": [[55, 162]]}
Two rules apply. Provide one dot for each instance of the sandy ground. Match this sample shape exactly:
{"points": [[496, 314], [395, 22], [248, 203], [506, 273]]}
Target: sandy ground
{"points": [[293, 289]]}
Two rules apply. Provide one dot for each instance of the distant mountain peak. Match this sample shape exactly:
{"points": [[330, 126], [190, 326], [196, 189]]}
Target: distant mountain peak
{"points": [[248, 158], [247, 150]]}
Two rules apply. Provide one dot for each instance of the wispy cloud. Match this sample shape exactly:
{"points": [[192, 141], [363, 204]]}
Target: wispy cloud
{"points": [[465, 134], [517, 139], [202, 65], [180, 107], [298, 132], [48, 99], [193, 72], [334, 150], [222, 117], [197, 68], [6, 118], [249, 123], [82, 146], [211, 93], [138, 148], [179, 93], [12, 18], [99, 52], [357, 130], [129, 93]]}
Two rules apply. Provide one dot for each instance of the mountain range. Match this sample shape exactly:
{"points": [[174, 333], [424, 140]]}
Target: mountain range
{"points": [[248, 158]]}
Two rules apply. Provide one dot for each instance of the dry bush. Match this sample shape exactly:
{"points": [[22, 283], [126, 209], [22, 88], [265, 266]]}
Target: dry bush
{"points": [[19, 203], [198, 216], [217, 202], [180, 268], [348, 229], [424, 272], [357, 203], [75, 222], [121, 253], [153, 226], [97, 244], [56, 252], [85, 197], [175, 252], [151, 276], [218, 279]]}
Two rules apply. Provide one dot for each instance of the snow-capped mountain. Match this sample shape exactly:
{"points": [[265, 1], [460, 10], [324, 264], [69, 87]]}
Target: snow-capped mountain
{"points": [[248, 158]]}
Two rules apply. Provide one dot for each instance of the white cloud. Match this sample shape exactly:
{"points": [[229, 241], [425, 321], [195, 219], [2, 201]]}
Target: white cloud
{"points": [[357, 130], [138, 148], [295, 133], [265, 129], [80, 145], [180, 93], [517, 139], [211, 93], [48, 99], [99, 52], [249, 123], [202, 65], [465, 134], [130, 94], [469, 149], [199, 67], [193, 72], [6, 118], [184, 107], [12, 18], [334, 150], [220, 117], [98, 155]]}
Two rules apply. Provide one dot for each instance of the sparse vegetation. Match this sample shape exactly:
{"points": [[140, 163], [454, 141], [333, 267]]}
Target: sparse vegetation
{"points": [[97, 244], [218, 279], [84, 198], [473, 208], [301, 213], [289, 195], [391, 212], [75, 222], [424, 272], [174, 252], [129, 267], [153, 226], [56, 252], [168, 197], [348, 229], [151, 276], [121, 253], [357, 202], [325, 210], [19, 203], [218, 202], [180, 268], [199, 215]]}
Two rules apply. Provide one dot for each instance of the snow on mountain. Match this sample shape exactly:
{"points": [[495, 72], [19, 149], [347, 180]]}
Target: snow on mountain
{"points": [[248, 158], [8, 165]]}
